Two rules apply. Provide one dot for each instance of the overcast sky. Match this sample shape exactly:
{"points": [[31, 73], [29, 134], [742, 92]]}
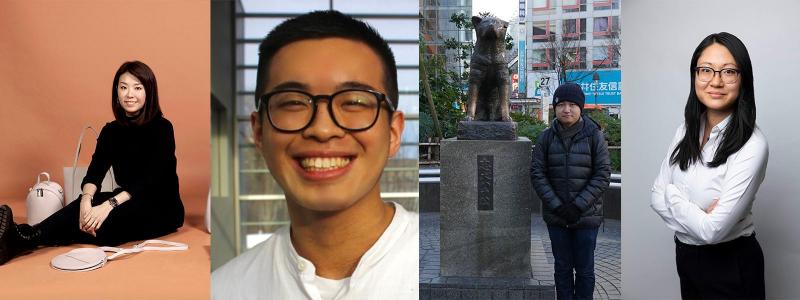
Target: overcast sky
{"points": [[504, 9]]}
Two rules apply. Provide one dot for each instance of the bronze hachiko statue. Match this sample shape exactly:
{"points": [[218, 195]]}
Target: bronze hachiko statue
{"points": [[489, 85]]}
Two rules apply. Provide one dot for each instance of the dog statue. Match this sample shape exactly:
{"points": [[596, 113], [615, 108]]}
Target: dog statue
{"points": [[489, 82]]}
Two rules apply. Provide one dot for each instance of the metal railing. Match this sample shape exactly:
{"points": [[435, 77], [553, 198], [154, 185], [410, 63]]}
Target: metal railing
{"points": [[429, 152]]}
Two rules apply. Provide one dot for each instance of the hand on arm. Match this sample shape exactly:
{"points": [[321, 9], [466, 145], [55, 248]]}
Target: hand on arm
{"points": [[713, 205], [569, 212], [98, 214], [86, 204]]}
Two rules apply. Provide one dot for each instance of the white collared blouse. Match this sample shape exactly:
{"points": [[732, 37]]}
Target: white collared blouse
{"points": [[682, 197]]}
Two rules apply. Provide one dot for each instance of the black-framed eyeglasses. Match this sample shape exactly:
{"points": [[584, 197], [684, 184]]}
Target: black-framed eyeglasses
{"points": [[728, 75], [350, 109]]}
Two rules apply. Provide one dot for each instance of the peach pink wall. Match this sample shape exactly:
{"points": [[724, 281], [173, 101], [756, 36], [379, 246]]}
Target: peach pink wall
{"points": [[57, 63]]}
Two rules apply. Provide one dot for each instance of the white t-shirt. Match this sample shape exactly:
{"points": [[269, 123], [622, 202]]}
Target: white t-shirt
{"points": [[274, 270], [682, 197], [330, 288]]}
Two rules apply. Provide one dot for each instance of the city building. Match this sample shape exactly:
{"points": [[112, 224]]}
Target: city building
{"points": [[574, 41], [435, 29]]}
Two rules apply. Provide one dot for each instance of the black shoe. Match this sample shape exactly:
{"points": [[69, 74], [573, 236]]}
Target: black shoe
{"points": [[15, 239], [29, 236], [8, 231]]}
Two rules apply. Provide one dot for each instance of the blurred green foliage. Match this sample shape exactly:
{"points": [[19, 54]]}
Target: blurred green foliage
{"points": [[528, 126], [612, 129]]}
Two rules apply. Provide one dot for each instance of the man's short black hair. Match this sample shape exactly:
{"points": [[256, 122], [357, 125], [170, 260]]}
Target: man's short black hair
{"points": [[325, 24]]}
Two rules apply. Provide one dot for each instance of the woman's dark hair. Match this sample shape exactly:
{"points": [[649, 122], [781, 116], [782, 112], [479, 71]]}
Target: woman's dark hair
{"points": [[743, 118], [151, 108]]}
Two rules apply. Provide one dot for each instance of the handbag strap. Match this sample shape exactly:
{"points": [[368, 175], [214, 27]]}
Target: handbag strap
{"points": [[170, 246], [78, 153], [39, 177]]}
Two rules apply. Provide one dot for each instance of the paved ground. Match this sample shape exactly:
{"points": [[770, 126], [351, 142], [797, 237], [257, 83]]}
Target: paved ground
{"points": [[607, 255]]}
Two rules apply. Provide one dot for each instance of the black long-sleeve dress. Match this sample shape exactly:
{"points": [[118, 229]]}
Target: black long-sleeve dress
{"points": [[144, 164]]}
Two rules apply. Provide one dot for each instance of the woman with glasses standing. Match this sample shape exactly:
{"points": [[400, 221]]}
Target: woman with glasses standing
{"points": [[708, 180], [140, 146]]}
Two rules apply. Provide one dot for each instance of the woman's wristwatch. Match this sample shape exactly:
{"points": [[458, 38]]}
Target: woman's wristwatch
{"points": [[113, 202]]}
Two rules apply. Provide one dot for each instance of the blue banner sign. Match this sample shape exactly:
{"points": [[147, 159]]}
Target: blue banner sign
{"points": [[607, 90]]}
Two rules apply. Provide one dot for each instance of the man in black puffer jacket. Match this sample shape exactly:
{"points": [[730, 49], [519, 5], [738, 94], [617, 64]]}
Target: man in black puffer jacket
{"points": [[570, 171]]}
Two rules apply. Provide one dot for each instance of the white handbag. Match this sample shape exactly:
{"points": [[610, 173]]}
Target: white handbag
{"points": [[44, 199], [72, 188], [87, 259]]}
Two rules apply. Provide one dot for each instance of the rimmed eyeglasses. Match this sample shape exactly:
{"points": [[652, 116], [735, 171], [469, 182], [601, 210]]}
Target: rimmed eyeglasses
{"points": [[728, 75], [350, 109]]}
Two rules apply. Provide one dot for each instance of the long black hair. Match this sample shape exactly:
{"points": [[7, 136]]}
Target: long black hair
{"points": [[743, 118]]}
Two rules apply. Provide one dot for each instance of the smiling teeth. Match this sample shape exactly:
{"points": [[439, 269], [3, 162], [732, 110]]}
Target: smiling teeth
{"points": [[323, 163]]}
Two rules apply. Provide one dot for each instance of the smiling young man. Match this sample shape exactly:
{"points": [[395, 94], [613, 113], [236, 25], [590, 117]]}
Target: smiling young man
{"points": [[570, 171], [326, 125]]}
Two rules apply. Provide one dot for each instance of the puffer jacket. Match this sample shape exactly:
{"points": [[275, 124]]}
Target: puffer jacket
{"points": [[579, 174]]}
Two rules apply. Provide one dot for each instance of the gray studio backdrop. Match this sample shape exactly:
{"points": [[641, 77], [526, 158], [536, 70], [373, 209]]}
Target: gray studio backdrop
{"points": [[658, 41]]}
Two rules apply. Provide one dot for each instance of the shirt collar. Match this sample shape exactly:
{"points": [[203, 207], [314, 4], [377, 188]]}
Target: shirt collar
{"points": [[722, 124], [717, 129], [299, 265], [385, 243], [306, 271]]}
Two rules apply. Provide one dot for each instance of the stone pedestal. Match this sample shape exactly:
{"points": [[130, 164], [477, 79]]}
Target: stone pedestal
{"points": [[483, 130], [485, 208]]}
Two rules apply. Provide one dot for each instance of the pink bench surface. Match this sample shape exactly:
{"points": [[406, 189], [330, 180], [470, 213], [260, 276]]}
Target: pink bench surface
{"points": [[146, 275]]}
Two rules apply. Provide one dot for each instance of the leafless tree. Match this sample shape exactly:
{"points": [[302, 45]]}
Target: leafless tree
{"points": [[567, 53]]}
